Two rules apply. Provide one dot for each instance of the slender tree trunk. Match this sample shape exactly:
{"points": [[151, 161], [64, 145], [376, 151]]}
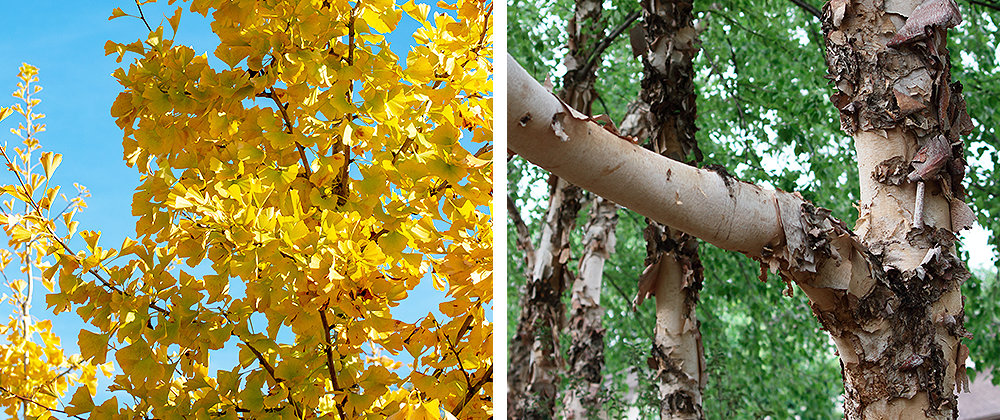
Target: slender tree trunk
{"points": [[672, 260], [585, 366], [533, 380], [582, 397], [900, 344]]}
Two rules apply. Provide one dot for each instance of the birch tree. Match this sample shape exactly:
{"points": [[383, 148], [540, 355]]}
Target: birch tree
{"points": [[862, 285]]}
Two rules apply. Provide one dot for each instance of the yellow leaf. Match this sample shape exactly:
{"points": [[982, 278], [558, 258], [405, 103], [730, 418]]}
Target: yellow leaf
{"points": [[392, 243], [117, 13], [50, 161], [93, 345], [417, 11], [5, 112], [175, 20], [81, 403]]}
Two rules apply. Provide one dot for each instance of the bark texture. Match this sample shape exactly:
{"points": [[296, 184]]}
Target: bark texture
{"points": [[584, 396], [900, 338], [894, 311], [533, 379], [672, 260]]}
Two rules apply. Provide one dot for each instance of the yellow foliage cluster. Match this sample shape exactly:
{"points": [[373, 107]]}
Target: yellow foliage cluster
{"points": [[326, 177], [34, 370]]}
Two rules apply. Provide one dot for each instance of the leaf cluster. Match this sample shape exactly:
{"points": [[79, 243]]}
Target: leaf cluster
{"points": [[324, 176]]}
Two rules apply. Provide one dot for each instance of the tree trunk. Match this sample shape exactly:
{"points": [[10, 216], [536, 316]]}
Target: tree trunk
{"points": [[888, 295], [583, 396], [533, 379], [900, 344], [672, 261]]}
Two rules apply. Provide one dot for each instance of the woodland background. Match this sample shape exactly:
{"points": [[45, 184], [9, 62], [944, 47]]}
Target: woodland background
{"points": [[763, 114]]}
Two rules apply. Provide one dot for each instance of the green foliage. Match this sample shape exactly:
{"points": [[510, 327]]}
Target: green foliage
{"points": [[764, 113], [537, 40]]}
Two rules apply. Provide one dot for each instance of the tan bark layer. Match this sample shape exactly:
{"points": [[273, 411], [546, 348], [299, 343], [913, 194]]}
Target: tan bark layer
{"points": [[585, 358], [533, 380], [900, 343], [668, 88]]}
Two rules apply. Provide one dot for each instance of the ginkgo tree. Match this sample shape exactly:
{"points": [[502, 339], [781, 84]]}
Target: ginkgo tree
{"points": [[325, 176], [35, 371]]}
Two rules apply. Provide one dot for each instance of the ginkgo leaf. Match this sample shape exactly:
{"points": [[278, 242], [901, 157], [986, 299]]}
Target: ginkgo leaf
{"points": [[50, 161], [117, 13], [93, 345], [175, 20], [81, 403]]}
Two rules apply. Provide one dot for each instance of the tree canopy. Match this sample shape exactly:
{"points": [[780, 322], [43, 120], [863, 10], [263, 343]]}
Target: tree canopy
{"points": [[308, 185]]}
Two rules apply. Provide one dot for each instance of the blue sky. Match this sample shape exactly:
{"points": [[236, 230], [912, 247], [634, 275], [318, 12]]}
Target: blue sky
{"points": [[65, 40]]}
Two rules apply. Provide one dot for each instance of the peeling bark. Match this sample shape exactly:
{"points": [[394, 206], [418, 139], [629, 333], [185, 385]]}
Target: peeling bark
{"points": [[888, 295], [899, 337], [668, 87], [585, 358], [534, 354]]}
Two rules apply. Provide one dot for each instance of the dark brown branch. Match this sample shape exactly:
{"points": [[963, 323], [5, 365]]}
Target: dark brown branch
{"points": [[329, 361], [606, 42], [986, 5], [29, 400], [812, 10], [471, 393], [350, 36], [288, 128], [141, 16], [523, 238], [270, 371]]}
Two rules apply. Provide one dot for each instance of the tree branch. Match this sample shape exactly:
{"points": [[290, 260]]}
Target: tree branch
{"points": [[812, 10], [523, 235], [288, 127], [706, 204], [471, 393], [29, 400], [606, 42], [986, 5], [141, 16], [270, 371], [329, 360]]}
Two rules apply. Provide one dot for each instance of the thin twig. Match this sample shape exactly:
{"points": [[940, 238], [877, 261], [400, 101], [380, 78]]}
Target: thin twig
{"points": [[986, 5], [288, 129], [141, 16], [329, 360], [65, 247], [487, 377], [523, 238], [29, 400], [270, 371]]}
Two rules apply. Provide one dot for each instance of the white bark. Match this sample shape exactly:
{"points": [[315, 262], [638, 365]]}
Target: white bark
{"points": [[739, 217]]}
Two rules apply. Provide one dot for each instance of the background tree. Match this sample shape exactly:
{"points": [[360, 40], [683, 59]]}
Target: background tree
{"points": [[326, 178], [750, 55], [37, 371]]}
